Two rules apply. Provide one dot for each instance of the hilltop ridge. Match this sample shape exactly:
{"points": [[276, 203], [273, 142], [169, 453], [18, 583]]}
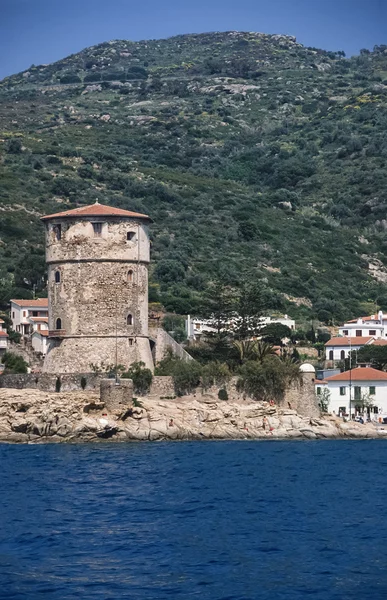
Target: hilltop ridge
{"points": [[253, 154]]}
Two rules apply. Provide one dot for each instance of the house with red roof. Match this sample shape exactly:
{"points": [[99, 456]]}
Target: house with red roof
{"points": [[372, 326], [358, 391], [338, 348], [23, 310]]}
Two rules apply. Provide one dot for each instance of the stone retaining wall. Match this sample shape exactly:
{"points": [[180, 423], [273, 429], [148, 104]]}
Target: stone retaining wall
{"points": [[69, 382], [48, 382]]}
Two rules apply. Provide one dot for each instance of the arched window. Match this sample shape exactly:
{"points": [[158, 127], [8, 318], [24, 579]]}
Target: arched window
{"points": [[58, 324], [57, 229], [342, 355], [129, 320], [57, 276], [130, 276], [330, 354]]}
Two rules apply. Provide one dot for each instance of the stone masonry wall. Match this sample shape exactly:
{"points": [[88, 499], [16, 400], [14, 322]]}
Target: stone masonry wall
{"points": [[98, 288], [47, 382], [301, 396], [78, 354], [165, 342]]}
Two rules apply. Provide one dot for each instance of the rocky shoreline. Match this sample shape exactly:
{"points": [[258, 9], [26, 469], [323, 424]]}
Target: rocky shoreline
{"points": [[33, 416]]}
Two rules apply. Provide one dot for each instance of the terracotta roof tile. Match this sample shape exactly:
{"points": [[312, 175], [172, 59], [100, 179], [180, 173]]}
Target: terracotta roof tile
{"points": [[96, 210], [3, 334], [1, 321], [359, 374], [370, 318], [379, 342], [43, 332], [347, 341], [38, 303]]}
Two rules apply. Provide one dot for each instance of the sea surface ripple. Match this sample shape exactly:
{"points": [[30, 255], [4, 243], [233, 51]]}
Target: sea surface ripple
{"points": [[209, 520]]}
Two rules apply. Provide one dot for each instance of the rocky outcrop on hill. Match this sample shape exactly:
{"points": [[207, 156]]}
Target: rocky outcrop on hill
{"points": [[36, 416]]}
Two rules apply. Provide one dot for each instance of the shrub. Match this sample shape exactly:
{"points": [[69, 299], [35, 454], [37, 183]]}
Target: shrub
{"points": [[267, 380], [58, 384], [215, 373], [70, 78], [223, 395], [141, 377], [186, 375], [14, 363], [83, 382], [14, 146]]}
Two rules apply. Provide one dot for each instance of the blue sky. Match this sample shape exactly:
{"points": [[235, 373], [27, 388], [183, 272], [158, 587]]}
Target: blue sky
{"points": [[42, 31]]}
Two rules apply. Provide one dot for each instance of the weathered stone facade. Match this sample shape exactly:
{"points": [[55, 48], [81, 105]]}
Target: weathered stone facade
{"points": [[301, 396], [97, 289], [116, 396]]}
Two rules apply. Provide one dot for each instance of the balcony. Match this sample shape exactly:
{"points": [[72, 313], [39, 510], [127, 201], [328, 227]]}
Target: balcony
{"points": [[56, 333]]}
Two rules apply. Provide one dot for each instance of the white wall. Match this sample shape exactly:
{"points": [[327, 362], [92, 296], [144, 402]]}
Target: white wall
{"points": [[367, 329], [39, 343]]}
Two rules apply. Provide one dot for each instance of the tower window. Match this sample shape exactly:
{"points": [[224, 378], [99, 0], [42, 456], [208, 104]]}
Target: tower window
{"points": [[129, 320], [97, 227], [58, 324], [130, 276], [57, 276], [130, 235], [57, 229], [130, 341]]}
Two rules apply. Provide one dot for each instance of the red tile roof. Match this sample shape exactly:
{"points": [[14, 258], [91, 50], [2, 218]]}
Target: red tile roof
{"points": [[379, 342], [349, 341], [1, 321], [43, 332], [359, 374], [371, 318], [96, 210], [3, 334], [38, 303]]}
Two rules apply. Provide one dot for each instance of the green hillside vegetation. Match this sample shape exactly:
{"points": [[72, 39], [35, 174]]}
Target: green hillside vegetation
{"points": [[259, 160]]}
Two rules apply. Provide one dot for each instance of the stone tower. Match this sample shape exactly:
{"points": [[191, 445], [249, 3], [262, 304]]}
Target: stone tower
{"points": [[97, 259]]}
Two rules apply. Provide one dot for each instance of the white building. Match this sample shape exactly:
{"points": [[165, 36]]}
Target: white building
{"points": [[39, 341], [3, 338], [23, 310], [373, 326], [364, 387], [196, 328], [38, 324], [338, 348], [285, 320]]}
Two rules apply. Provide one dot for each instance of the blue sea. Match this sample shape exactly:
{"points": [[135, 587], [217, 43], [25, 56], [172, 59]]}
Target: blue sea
{"points": [[207, 520]]}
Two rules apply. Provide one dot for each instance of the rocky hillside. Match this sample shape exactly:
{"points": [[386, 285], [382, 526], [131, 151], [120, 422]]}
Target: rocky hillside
{"points": [[256, 157]]}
